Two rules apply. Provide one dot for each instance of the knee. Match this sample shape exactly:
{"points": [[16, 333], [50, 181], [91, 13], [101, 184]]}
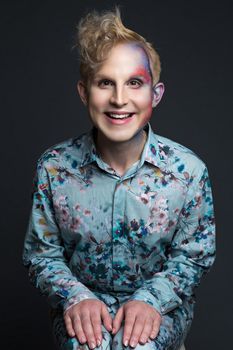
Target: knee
{"points": [[64, 342], [73, 344], [105, 345], [117, 343]]}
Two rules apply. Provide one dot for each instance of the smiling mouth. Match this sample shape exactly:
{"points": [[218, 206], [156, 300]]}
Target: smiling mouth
{"points": [[119, 115]]}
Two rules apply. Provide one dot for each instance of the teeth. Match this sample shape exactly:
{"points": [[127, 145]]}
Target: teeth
{"points": [[119, 116]]}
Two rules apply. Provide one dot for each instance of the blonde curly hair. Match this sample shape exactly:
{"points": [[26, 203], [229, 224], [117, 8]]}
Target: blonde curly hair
{"points": [[98, 33]]}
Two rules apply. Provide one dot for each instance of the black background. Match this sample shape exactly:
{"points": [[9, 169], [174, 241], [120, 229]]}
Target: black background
{"points": [[40, 107]]}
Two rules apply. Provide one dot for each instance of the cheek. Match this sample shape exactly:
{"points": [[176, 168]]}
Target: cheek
{"points": [[145, 106], [144, 103], [147, 114], [97, 100]]}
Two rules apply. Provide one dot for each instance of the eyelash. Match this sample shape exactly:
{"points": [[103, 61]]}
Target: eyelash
{"points": [[101, 83], [138, 81]]}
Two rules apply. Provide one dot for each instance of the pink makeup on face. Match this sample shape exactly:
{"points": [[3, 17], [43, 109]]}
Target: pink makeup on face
{"points": [[142, 72], [143, 69]]}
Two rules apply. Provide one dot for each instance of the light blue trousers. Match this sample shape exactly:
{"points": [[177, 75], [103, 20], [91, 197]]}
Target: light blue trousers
{"points": [[173, 331]]}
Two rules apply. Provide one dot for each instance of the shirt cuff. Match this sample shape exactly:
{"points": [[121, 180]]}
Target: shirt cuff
{"points": [[163, 307], [75, 297]]}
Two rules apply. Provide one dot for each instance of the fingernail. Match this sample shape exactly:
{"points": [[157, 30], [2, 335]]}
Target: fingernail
{"points": [[133, 344], [92, 345]]}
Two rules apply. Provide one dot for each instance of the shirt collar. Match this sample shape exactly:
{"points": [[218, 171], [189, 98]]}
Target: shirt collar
{"points": [[89, 152], [153, 151]]}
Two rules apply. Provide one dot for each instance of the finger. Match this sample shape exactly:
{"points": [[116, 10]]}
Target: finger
{"points": [[88, 330], [155, 329], [77, 326], [96, 324], [146, 332], [107, 319], [136, 331], [69, 326], [118, 320], [128, 327]]}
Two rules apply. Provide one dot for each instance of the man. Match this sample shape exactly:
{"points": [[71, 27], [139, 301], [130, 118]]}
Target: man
{"points": [[122, 225]]}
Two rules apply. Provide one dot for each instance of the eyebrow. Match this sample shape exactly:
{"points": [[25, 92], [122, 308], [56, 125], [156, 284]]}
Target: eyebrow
{"points": [[140, 73], [101, 76]]}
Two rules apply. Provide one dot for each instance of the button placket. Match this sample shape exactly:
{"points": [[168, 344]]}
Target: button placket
{"points": [[118, 231]]}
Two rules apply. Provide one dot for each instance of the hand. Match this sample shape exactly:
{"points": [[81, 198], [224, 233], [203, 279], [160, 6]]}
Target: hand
{"points": [[84, 321], [142, 322]]}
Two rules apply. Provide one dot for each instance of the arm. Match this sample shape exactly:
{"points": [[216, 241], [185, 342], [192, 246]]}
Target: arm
{"points": [[44, 253], [192, 250]]}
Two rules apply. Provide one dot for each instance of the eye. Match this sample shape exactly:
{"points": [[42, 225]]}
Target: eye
{"points": [[105, 83], [135, 83]]}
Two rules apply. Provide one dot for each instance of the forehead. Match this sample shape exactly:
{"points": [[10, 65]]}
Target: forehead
{"points": [[125, 58]]}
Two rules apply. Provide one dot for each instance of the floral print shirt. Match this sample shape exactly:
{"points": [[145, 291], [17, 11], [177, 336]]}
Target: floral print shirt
{"points": [[148, 235]]}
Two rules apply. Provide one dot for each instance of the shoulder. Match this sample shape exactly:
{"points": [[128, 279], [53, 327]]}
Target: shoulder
{"points": [[68, 153], [180, 158]]}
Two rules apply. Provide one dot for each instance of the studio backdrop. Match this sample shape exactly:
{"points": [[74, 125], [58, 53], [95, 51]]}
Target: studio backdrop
{"points": [[40, 107]]}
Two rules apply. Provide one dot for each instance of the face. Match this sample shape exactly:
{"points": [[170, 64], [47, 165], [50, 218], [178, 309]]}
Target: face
{"points": [[121, 96]]}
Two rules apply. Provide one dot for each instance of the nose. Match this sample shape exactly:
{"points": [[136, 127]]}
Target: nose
{"points": [[119, 96]]}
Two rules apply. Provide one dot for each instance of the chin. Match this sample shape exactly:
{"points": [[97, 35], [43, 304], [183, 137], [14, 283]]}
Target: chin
{"points": [[122, 136], [117, 138]]}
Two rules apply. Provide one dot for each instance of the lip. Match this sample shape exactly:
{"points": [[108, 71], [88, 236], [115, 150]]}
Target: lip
{"points": [[118, 112], [120, 121]]}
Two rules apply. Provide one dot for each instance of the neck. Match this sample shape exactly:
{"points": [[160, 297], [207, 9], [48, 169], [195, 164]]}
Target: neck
{"points": [[120, 156]]}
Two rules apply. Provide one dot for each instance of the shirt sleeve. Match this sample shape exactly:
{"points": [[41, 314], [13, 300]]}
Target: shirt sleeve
{"points": [[192, 250], [44, 253]]}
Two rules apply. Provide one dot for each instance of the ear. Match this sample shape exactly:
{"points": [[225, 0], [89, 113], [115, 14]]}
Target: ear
{"points": [[82, 90], [158, 91]]}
